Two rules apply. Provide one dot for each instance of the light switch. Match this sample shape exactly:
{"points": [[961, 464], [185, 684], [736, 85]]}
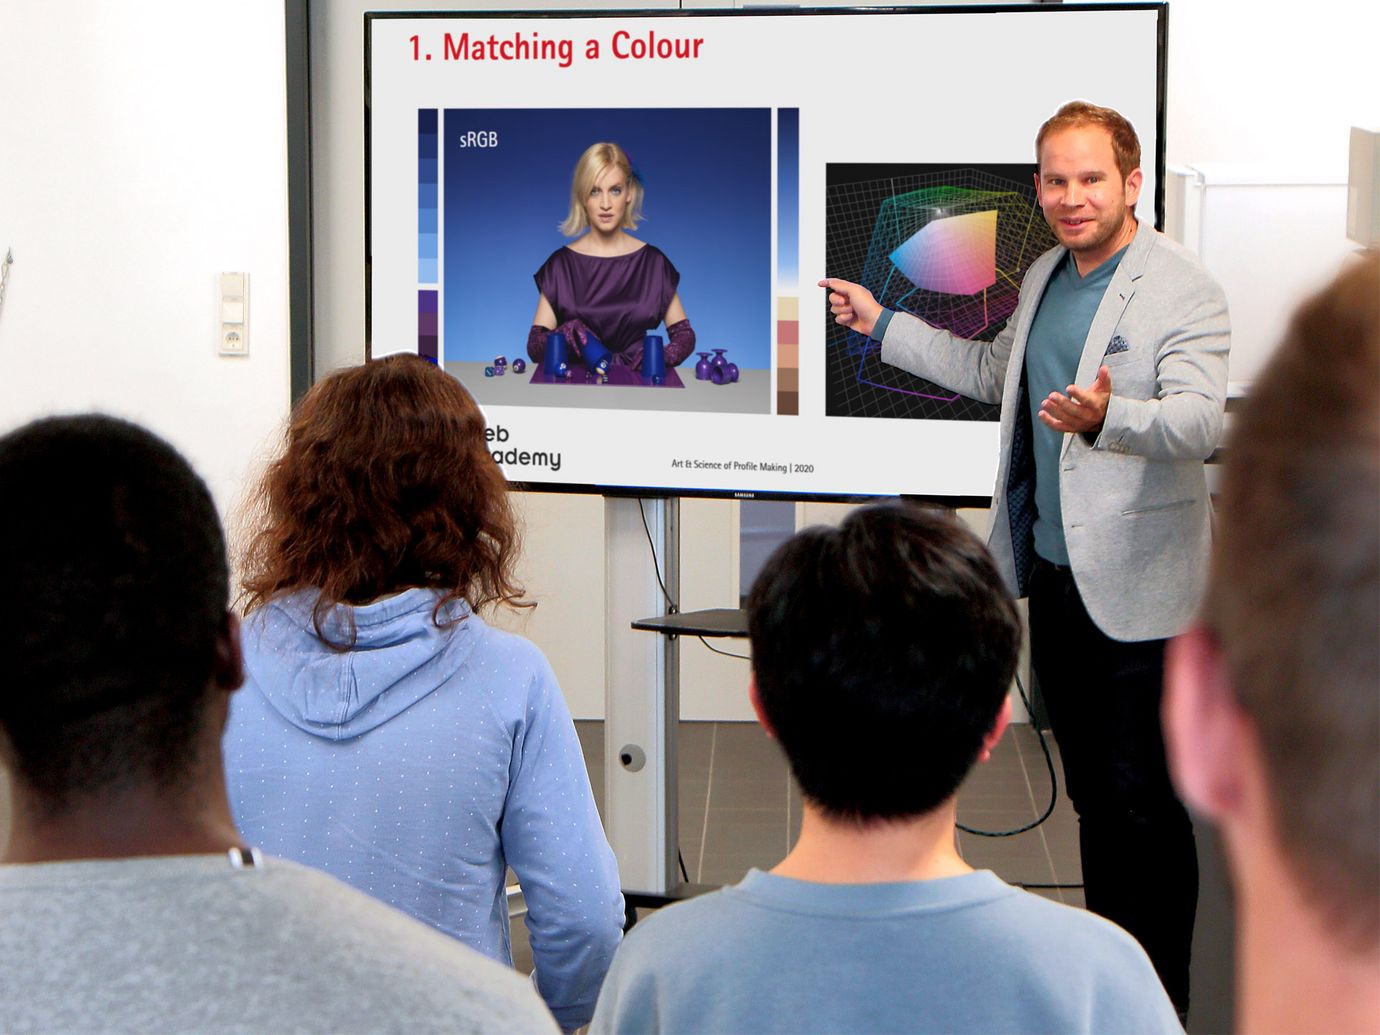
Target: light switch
{"points": [[234, 314]]}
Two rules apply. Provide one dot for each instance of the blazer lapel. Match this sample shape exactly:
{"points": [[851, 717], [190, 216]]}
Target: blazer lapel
{"points": [[1109, 312], [1118, 295]]}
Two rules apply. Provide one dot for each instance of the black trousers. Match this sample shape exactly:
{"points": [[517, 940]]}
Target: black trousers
{"points": [[1140, 864]]}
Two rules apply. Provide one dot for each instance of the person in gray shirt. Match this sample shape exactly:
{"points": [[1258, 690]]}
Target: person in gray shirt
{"points": [[882, 651], [127, 900]]}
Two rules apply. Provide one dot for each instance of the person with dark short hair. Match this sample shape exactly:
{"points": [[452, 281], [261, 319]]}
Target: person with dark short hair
{"points": [[1272, 711], [128, 900], [882, 654]]}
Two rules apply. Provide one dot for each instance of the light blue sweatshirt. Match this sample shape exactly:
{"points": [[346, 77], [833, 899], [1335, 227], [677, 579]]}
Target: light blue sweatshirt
{"points": [[961, 954], [417, 766]]}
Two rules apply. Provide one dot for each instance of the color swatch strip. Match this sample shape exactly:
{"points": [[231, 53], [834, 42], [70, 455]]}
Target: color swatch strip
{"points": [[427, 195], [788, 261], [426, 324]]}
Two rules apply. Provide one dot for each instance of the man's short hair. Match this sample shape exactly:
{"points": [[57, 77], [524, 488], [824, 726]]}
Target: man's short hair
{"points": [[1294, 596], [1125, 143], [115, 590], [882, 650]]}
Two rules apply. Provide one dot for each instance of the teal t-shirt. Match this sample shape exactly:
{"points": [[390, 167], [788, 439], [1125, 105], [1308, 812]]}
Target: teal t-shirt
{"points": [[1052, 352]]}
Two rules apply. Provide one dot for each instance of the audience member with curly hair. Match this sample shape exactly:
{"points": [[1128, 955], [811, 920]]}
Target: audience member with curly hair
{"points": [[387, 734]]}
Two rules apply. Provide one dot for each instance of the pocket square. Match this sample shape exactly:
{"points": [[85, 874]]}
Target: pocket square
{"points": [[1117, 344]]}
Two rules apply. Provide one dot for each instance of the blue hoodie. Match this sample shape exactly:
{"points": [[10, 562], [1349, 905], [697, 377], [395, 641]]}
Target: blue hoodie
{"points": [[417, 766]]}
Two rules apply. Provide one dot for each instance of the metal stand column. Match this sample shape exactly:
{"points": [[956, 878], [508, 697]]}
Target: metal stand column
{"points": [[642, 696]]}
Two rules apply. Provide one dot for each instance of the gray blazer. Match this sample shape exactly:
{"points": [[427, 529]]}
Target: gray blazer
{"points": [[1137, 517]]}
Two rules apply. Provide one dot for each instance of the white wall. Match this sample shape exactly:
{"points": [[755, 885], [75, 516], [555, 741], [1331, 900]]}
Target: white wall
{"points": [[1273, 85], [1262, 99], [142, 151]]}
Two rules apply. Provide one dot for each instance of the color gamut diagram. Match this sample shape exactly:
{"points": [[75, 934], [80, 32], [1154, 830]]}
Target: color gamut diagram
{"points": [[949, 246]]}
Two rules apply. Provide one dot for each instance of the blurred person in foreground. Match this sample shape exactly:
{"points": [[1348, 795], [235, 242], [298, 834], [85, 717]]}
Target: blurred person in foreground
{"points": [[1272, 710]]}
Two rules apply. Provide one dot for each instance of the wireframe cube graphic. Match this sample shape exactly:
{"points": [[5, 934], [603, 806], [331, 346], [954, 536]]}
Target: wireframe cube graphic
{"points": [[947, 243]]}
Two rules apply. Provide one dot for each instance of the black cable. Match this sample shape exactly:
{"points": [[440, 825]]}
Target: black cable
{"points": [[680, 857], [725, 653], [1053, 779], [671, 606]]}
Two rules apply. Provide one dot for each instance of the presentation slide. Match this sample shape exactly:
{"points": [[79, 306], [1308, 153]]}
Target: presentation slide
{"points": [[766, 150]]}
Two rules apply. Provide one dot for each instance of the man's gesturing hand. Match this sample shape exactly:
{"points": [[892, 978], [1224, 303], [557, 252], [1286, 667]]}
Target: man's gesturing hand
{"points": [[852, 305], [1083, 410]]}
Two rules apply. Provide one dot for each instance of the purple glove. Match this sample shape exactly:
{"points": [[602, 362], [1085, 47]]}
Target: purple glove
{"points": [[536, 342], [577, 334], [681, 345], [682, 342]]}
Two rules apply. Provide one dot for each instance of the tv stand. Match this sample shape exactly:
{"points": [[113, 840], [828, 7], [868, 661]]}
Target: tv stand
{"points": [[642, 694]]}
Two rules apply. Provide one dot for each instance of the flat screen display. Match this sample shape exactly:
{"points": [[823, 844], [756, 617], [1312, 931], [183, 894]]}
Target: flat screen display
{"points": [[768, 149]]}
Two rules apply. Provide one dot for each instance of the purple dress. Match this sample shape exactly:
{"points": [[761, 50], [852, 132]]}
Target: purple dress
{"points": [[619, 297]]}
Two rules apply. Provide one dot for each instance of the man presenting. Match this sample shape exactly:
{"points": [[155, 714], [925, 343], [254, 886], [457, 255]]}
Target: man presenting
{"points": [[1112, 378]]}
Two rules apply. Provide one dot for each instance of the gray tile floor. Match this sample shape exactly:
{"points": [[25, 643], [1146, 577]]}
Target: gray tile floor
{"points": [[739, 808]]}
